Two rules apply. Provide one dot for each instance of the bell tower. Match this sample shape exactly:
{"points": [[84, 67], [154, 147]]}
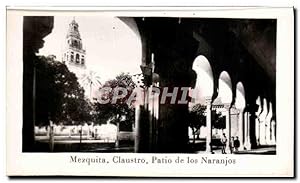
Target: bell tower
{"points": [[74, 54]]}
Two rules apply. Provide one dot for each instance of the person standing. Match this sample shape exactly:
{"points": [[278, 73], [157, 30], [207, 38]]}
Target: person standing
{"points": [[231, 145], [236, 144], [223, 141]]}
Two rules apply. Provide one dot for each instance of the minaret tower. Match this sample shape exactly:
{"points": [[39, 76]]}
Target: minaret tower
{"points": [[74, 54]]}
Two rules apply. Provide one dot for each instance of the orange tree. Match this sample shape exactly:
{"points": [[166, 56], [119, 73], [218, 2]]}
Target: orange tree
{"points": [[59, 97]]}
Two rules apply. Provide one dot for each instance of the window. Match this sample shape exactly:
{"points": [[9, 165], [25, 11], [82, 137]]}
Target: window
{"points": [[82, 61], [75, 43], [72, 58], [77, 58]]}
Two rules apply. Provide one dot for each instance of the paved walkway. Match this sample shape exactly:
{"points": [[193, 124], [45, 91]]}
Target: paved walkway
{"points": [[107, 145], [258, 151]]}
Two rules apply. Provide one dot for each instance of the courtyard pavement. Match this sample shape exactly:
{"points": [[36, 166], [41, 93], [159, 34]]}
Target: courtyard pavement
{"points": [[64, 143], [258, 151]]}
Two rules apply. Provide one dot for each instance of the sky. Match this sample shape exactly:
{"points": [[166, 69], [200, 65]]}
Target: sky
{"points": [[111, 46]]}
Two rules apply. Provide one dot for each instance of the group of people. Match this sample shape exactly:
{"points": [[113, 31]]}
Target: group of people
{"points": [[234, 144]]}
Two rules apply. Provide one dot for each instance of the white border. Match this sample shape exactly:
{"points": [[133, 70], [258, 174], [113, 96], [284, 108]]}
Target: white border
{"points": [[280, 164]]}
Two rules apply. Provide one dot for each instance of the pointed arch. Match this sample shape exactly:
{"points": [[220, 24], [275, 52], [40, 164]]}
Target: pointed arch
{"points": [[270, 111], [259, 103], [204, 87], [225, 88], [240, 101]]}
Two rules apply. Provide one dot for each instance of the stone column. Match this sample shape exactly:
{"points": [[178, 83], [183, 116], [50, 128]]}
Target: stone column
{"points": [[251, 126], [268, 131], [155, 120], [247, 131], [35, 28], [150, 109], [208, 125], [268, 125], [257, 121], [228, 127], [262, 118], [136, 129], [241, 129], [139, 105], [153, 99], [262, 135], [273, 126], [257, 126]]}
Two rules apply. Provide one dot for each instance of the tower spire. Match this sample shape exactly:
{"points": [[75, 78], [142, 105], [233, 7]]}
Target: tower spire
{"points": [[74, 54]]}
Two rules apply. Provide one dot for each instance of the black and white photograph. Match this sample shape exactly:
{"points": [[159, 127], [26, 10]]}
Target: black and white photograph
{"points": [[214, 87], [150, 84]]}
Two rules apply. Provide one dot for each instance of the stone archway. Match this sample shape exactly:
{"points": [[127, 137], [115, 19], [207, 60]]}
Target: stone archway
{"points": [[174, 45], [225, 96], [203, 92], [204, 86], [240, 104], [34, 30]]}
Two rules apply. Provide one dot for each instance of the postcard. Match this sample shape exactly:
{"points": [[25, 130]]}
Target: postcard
{"points": [[150, 91]]}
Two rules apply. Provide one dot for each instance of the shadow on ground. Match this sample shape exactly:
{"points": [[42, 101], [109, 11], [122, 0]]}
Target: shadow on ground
{"points": [[124, 146], [199, 147]]}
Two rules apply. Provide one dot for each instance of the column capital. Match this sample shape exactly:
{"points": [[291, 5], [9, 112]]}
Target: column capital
{"points": [[227, 106], [208, 100], [241, 110]]}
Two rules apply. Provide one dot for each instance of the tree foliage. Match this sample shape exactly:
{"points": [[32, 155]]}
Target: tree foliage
{"points": [[197, 118], [59, 97], [120, 110], [218, 121], [91, 79]]}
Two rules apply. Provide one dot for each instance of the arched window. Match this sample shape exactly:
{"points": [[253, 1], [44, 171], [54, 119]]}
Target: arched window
{"points": [[72, 58], [82, 61], [75, 43], [77, 58]]}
